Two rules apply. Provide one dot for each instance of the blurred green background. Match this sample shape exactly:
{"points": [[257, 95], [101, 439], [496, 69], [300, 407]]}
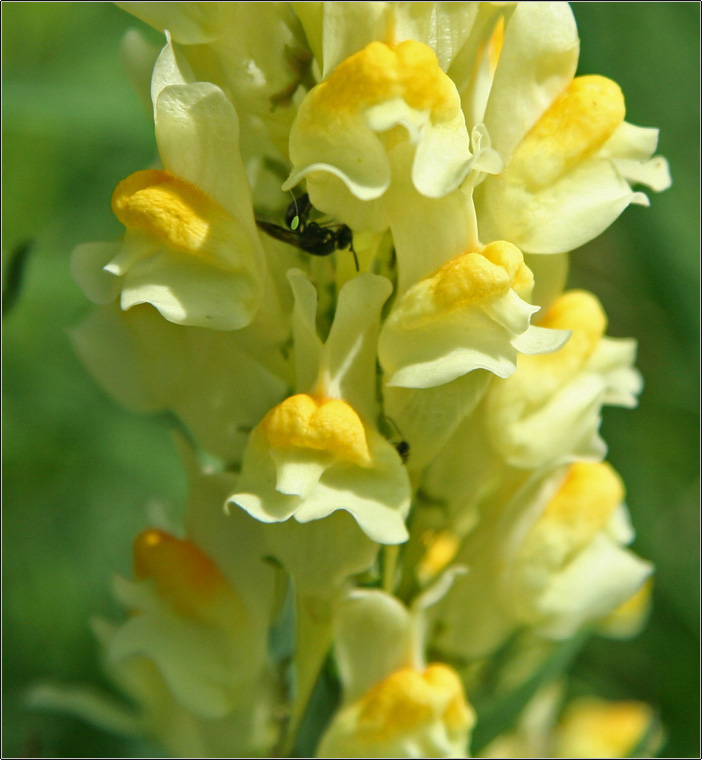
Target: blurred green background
{"points": [[79, 472]]}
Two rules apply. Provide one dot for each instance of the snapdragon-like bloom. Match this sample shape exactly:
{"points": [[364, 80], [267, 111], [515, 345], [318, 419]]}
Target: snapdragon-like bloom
{"points": [[383, 144], [468, 315], [571, 385], [192, 654], [569, 157], [553, 559], [588, 727], [593, 727], [395, 705], [546, 414], [319, 451], [239, 48], [447, 332], [191, 247]]}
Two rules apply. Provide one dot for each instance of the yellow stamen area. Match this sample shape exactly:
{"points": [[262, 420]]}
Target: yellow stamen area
{"points": [[379, 73], [581, 312], [409, 700], [573, 128], [323, 424], [172, 210], [474, 277], [184, 577], [584, 503], [596, 728], [442, 547]]}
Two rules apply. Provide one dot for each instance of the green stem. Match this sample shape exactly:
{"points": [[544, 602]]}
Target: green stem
{"points": [[314, 636]]}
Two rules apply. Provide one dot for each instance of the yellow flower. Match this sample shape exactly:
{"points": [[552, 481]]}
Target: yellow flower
{"points": [[569, 157], [382, 141], [549, 411], [239, 48], [412, 713], [593, 727], [553, 558], [191, 246], [192, 653], [395, 705], [588, 727], [318, 451], [470, 314]]}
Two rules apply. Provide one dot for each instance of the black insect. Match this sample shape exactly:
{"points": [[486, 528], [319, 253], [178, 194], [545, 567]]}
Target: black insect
{"points": [[403, 449], [310, 237]]}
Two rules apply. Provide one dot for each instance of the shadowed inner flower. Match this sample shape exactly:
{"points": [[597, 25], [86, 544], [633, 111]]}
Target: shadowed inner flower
{"points": [[441, 548], [595, 728], [184, 577], [582, 508], [582, 313]]}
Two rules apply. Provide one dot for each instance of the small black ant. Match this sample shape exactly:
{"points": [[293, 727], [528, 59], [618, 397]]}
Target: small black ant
{"points": [[310, 237]]}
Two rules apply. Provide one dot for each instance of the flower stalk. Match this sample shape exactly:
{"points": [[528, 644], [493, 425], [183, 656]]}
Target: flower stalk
{"points": [[393, 404]]}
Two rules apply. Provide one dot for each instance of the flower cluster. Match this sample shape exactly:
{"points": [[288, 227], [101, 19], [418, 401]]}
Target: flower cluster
{"points": [[391, 403]]}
